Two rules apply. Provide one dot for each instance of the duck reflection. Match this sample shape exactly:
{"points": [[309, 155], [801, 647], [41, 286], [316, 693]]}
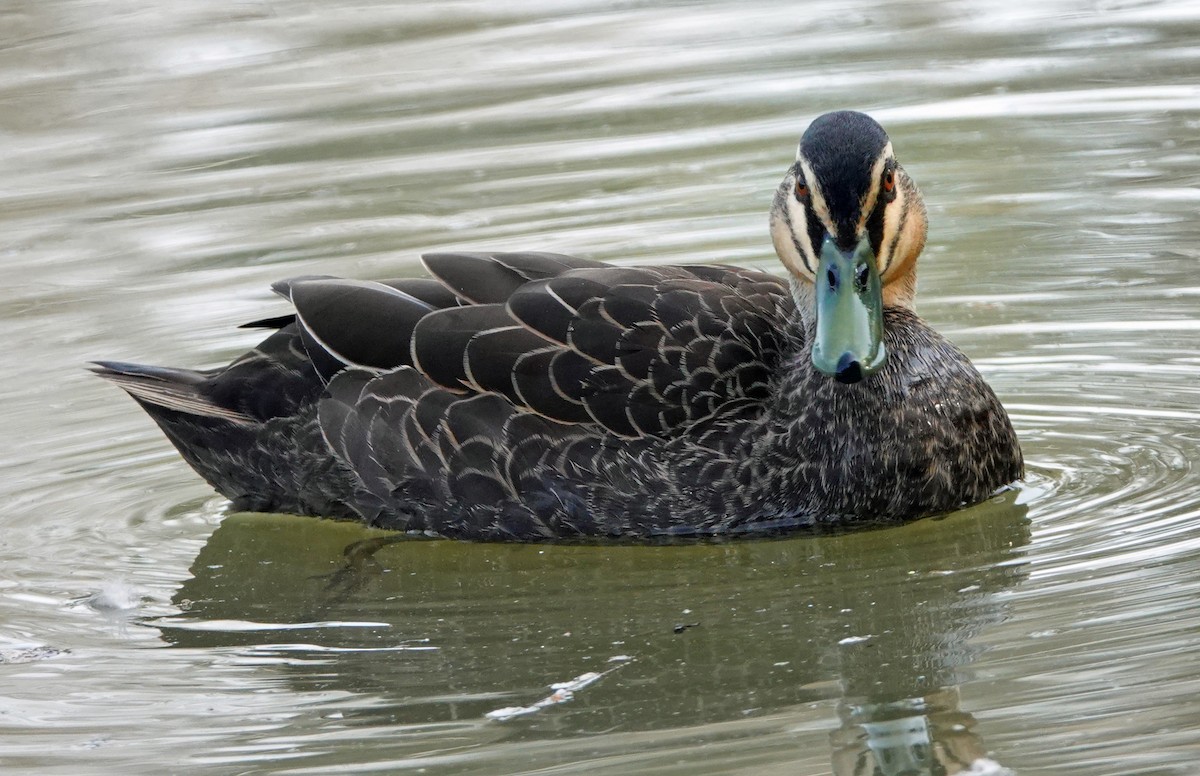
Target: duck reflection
{"points": [[899, 709], [927, 736], [880, 621]]}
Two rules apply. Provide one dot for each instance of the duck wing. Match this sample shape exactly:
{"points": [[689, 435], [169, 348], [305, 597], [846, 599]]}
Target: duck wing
{"points": [[639, 351], [527, 364]]}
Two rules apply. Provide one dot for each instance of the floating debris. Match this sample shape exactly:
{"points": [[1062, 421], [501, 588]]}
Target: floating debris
{"points": [[854, 640], [30, 654], [562, 692]]}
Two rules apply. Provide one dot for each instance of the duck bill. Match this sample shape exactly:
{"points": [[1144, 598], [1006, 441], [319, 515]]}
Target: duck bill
{"points": [[849, 340]]}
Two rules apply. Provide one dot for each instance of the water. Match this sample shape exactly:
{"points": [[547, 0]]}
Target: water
{"points": [[163, 163]]}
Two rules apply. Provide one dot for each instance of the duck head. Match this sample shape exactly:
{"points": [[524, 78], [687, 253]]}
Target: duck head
{"points": [[848, 223]]}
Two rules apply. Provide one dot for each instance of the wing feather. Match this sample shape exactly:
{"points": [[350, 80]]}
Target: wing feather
{"points": [[355, 323], [509, 373]]}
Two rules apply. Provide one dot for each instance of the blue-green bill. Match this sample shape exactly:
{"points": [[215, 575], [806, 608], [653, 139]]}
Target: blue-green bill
{"points": [[849, 338]]}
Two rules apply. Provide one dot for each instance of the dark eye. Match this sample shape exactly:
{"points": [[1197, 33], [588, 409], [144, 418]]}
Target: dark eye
{"points": [[801, 190], [860, 277], [889, 180]]}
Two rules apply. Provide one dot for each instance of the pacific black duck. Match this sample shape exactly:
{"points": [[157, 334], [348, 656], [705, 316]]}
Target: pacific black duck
{"points": [[530, 396]]}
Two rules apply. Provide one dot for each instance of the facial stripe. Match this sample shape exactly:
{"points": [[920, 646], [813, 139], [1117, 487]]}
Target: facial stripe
{"points": [[815, 196], [783, 233], [900, 207], [876, 228], [872, 196], [786, 211], [802, 238]]}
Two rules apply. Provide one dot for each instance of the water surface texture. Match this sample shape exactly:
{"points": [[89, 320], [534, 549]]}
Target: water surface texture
{"points": [[163, 163]]}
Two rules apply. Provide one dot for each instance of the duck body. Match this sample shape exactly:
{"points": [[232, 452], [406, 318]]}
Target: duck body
{"points": [[533, 396]]}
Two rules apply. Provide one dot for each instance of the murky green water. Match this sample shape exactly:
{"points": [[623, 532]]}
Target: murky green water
{"points": [[162, 163]]}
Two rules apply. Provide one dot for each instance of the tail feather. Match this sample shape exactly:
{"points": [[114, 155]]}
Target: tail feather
{"points": [[180, 390]]}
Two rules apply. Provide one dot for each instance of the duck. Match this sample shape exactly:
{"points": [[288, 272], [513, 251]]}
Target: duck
{"points": [[533, 396]]}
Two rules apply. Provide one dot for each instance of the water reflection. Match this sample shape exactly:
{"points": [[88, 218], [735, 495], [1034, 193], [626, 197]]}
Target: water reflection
{"points": [[927, 736], [442, 632]]}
